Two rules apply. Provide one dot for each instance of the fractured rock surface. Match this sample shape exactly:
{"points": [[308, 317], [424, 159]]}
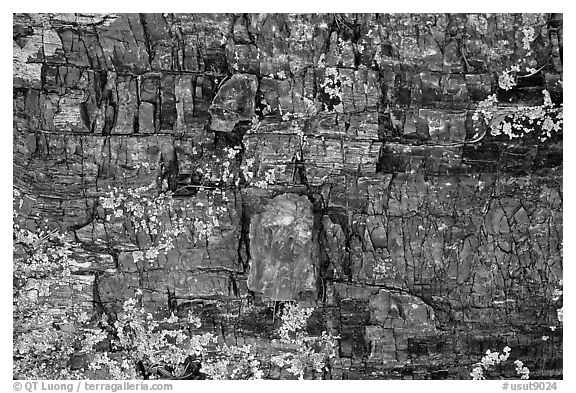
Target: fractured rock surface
{"points": [[233, 102], [284, 252], [326, 155]]}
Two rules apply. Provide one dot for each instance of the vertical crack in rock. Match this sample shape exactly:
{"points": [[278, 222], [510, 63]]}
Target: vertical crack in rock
{"points": [[284, 252], [147, 45], [244, 239]]}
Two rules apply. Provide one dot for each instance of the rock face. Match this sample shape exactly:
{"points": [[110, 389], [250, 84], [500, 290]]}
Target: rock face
{"points": [[284, 250], [321, 158], [233, 102]]}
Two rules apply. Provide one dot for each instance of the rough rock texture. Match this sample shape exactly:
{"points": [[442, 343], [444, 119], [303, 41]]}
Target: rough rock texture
{"points": [[283, 250], [233, 102], [430, 250]]}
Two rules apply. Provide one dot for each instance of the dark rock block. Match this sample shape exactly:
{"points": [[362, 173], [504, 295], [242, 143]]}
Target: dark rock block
{"points": [[79, 361], [168, 103], [146, 118], [426, 88], [390, 309]]}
